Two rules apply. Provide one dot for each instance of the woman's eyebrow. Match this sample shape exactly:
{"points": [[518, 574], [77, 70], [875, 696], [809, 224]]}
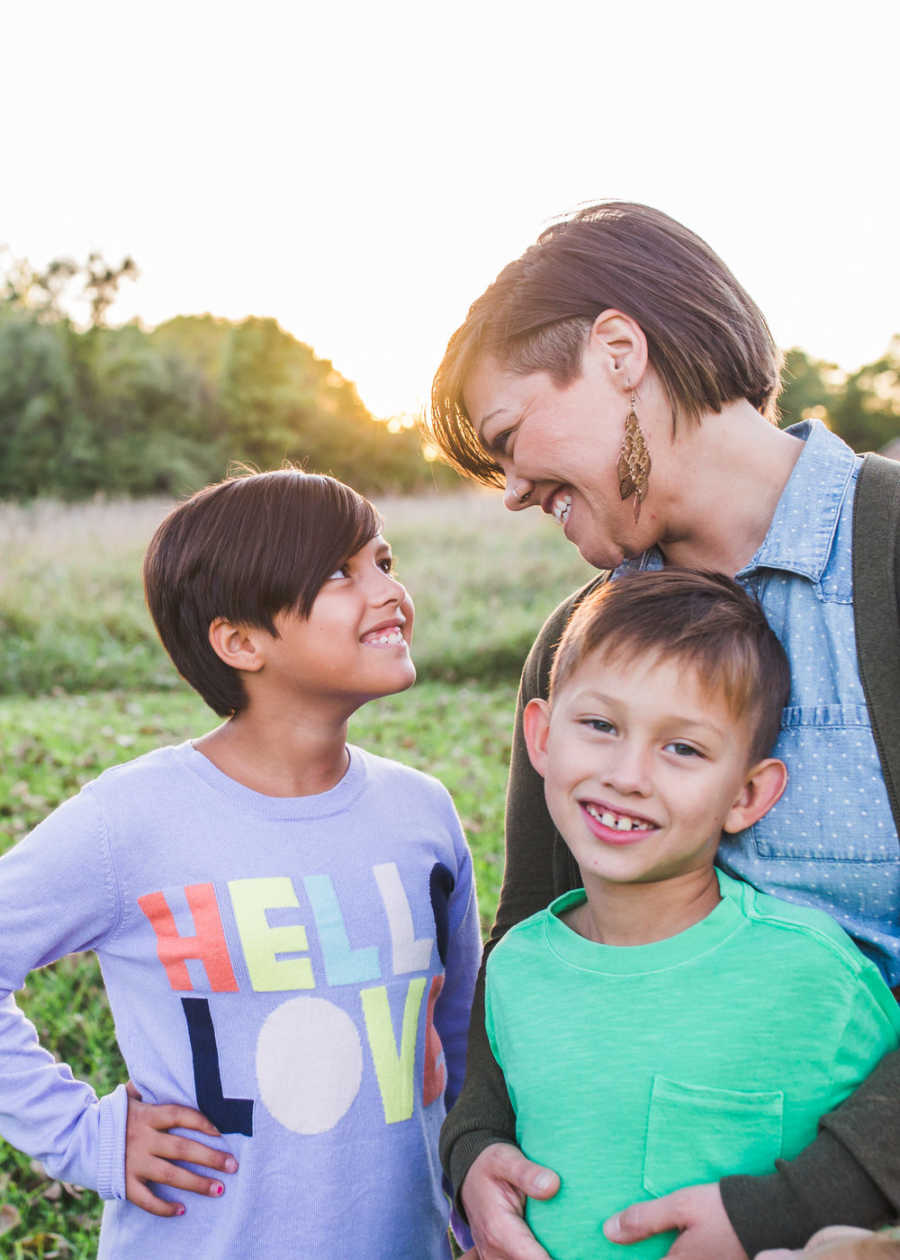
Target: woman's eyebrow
{"points": [[479, 429]]}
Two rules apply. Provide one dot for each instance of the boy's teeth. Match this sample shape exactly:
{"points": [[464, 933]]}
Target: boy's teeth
{"points": [[621, 822], [561, 505]]}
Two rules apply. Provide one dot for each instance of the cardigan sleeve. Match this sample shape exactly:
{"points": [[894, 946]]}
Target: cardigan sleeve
{"points": [[538, 868], [849, 1174]]}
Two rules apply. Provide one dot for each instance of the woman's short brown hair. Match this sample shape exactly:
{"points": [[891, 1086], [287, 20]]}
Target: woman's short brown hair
{"points": [[707, 340], [245, 549]]}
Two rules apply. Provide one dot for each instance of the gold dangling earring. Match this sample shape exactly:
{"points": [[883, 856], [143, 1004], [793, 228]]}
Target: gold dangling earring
{"points": [[634, 462]]}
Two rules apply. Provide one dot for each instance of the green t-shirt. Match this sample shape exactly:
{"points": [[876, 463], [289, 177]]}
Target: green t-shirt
{"points": [[636, 1071]]}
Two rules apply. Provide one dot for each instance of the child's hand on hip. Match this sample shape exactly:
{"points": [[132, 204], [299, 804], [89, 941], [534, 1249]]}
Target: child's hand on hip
{"points": [[150, 1150]]}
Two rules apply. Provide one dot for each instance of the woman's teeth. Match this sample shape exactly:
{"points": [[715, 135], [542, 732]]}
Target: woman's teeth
{"points": [[621, 822], [561, 506]]}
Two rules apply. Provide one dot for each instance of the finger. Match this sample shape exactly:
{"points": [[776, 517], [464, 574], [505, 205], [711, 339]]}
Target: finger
{"points": [[165, 1173], [168, 1146], [509, 1164], [642, 1220], [138, 1194], [173, 1116]]}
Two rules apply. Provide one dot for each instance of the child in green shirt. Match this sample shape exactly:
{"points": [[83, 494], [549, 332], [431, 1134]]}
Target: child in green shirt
{"points": [[666, 1024]]}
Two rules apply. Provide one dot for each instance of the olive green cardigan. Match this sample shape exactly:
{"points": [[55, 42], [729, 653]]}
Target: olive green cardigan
{"points": [[851, 1173]]}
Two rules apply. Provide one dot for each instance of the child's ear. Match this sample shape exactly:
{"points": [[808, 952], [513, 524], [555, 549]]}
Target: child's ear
{"points": [[536, 725], [236, 645], [761, 789]]}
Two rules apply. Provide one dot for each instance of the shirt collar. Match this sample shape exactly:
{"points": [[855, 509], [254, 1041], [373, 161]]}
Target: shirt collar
{"points": [[814, 495], [801, 535]]}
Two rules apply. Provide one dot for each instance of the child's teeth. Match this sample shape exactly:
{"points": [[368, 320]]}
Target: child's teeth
{"points": [[608, 820]]}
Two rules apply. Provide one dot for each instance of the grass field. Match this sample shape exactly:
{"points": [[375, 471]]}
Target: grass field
{"points": [[83, 685]]}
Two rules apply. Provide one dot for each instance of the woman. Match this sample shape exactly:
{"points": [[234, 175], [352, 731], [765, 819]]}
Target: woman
{"points": [[618, 377]]}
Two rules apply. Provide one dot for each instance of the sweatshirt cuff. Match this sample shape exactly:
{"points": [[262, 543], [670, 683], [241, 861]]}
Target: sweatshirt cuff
{"points": [[111, 1144], [823, 1186]]}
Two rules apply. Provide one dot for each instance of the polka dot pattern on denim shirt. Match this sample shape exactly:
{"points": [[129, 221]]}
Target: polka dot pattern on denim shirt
{"points": [[830, 841]]}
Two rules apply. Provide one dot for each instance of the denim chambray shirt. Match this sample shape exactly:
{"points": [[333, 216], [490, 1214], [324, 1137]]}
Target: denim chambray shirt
{"points": [[830, 841]]}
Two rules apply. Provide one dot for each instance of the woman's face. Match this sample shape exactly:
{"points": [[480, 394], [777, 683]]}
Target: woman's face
{"points": [[562, 445]]}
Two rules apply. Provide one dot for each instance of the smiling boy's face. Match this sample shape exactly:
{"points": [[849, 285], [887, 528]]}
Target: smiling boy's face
{"points": [[644, 768]]}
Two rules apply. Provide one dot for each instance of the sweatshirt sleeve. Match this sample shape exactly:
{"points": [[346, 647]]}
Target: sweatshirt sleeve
{"points": [[849, 1175], [538, 867], [462, 957], [57, 897]]}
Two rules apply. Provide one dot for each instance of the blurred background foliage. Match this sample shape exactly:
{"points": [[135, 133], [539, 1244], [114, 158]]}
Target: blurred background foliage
{"points": [[87, 409]]}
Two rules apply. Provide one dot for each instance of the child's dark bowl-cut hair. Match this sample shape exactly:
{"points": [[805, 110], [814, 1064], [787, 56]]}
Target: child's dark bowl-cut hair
{"points": [[245, 549]]}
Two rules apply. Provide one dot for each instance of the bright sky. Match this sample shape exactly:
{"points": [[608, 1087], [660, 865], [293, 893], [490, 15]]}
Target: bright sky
{"points": [[361, 171]]}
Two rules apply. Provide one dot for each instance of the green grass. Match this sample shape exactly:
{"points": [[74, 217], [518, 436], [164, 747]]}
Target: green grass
{"points": [[84, 684]]}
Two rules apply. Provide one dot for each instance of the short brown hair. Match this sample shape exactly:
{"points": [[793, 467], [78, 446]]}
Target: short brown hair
{"points": [[701, 619], [707, 340], [245, 549]]}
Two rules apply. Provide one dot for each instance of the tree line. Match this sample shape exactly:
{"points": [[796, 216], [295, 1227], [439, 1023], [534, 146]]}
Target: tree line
{"points": [[85, 408]]}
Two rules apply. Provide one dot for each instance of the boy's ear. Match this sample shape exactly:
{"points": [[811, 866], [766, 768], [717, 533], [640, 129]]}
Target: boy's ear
{"points": [[236, 645], [536, 725], [761, 789]]}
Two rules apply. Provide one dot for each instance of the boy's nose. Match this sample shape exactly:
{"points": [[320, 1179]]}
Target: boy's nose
{"points": [[629, 773]]}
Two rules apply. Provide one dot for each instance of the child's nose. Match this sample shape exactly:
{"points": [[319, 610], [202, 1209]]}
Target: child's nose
{"points": [[628, 773]]}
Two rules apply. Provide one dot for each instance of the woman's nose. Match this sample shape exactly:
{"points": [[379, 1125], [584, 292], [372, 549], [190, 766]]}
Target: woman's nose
{"points": [[518, 494]]}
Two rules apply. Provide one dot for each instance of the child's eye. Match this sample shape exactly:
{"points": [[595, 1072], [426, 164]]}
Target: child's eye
{"points": [[386, 564], [598, 724], [683, 750]]}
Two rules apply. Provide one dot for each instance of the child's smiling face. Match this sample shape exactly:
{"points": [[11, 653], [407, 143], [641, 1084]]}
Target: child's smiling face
{"points": [[644, 768], [354, 645]]}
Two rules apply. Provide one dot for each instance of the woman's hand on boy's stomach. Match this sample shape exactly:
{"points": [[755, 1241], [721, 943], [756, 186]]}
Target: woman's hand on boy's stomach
{"points": [[150, 1152], [493, 1195], [697, 1212]]}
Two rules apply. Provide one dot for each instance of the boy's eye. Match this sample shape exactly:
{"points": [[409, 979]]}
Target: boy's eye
{"points": [[598, 724], [681, 749], [386, 564]]}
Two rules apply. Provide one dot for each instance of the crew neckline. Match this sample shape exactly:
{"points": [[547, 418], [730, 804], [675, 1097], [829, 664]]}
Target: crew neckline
{"points": [[699, 939], [318, 805]]}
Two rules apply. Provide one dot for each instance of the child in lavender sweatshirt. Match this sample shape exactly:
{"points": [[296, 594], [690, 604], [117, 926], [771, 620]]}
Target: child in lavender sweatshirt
{"points": [[286, 924]]}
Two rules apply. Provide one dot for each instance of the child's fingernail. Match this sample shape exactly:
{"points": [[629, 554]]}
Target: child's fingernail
{"points": [[179, 1211], [612, 1229], [543, 1181], [216, 1188], [231, 1164]]}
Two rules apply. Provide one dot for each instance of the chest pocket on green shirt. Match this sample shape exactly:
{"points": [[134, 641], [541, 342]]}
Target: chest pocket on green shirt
{"points": [[697, 1134]]}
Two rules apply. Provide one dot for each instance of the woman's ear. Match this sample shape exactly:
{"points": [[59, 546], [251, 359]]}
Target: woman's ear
{"points": [[536, 725], [762, 787], [237, 645], [621, 341]]}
